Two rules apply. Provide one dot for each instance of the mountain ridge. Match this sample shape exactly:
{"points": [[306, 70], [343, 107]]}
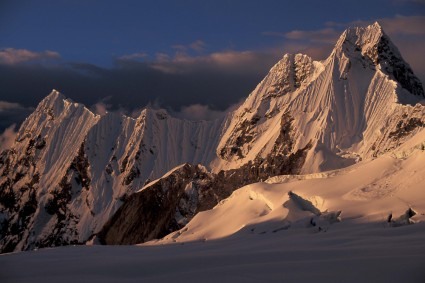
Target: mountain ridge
{"points": [[70, 171]]}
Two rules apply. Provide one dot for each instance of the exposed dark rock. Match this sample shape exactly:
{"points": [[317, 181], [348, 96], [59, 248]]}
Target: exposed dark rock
{"points": [[404, 219], [18, 198], [56, 205], [405, 127], [109, 169], [80, 166], [161, 115], [21, 204], [246, 130], [7, 195], [134, 173], [63, 232], [50, 113], [299, 70], [124, 164], [243, 134], [151, 213], [394, 65], [40, 143]]}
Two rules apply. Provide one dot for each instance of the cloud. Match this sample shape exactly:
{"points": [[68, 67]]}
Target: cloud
{"points": [[218, 80], [227, 61], [273, 33], [315, 51], [402, 25], [101, 107], [180, 47], [134, 56], [197, 46], [12, 113], [316, 43], [12, 56], [7, 106], [7, 137], [398, 25], [162, 57], [326, 35], [198, 112]]}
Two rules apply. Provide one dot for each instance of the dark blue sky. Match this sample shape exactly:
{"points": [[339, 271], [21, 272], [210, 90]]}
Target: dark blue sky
{"points": [[96, 31], [175, 54]]}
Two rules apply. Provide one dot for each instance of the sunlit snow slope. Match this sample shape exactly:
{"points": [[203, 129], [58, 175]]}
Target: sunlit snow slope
{"points": [[387, 192]]}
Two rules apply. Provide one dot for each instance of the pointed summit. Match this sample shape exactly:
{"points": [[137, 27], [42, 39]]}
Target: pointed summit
{"points": [[363, 37], [53, 96], [54, 101], [375, 46], [290, 73], [376, 25]]}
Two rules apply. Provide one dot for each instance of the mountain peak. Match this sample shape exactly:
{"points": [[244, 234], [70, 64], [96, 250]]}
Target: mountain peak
{"points": [[53, 103], [376, 25], [374, 45], [53, 97], [362, 37], [289, 74]]}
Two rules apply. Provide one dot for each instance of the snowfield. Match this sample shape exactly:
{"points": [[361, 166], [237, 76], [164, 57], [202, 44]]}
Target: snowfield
{"points": [[348, 252], [328, 227]]}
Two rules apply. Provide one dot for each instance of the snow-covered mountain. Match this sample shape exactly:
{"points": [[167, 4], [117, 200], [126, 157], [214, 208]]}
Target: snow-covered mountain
{"points": [[69, 169], [72, 174], [356, 104]]}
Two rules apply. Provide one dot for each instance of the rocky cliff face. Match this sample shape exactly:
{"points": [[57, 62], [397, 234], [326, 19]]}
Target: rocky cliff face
{"points": [[70, 171], [163, 206]]}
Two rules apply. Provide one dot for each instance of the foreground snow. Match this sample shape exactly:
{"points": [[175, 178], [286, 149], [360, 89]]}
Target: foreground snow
{"points": [[346, 253]]}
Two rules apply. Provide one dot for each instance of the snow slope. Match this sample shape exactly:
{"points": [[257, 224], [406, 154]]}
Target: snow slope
{"points": [[368, 192], [351, 253]]}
